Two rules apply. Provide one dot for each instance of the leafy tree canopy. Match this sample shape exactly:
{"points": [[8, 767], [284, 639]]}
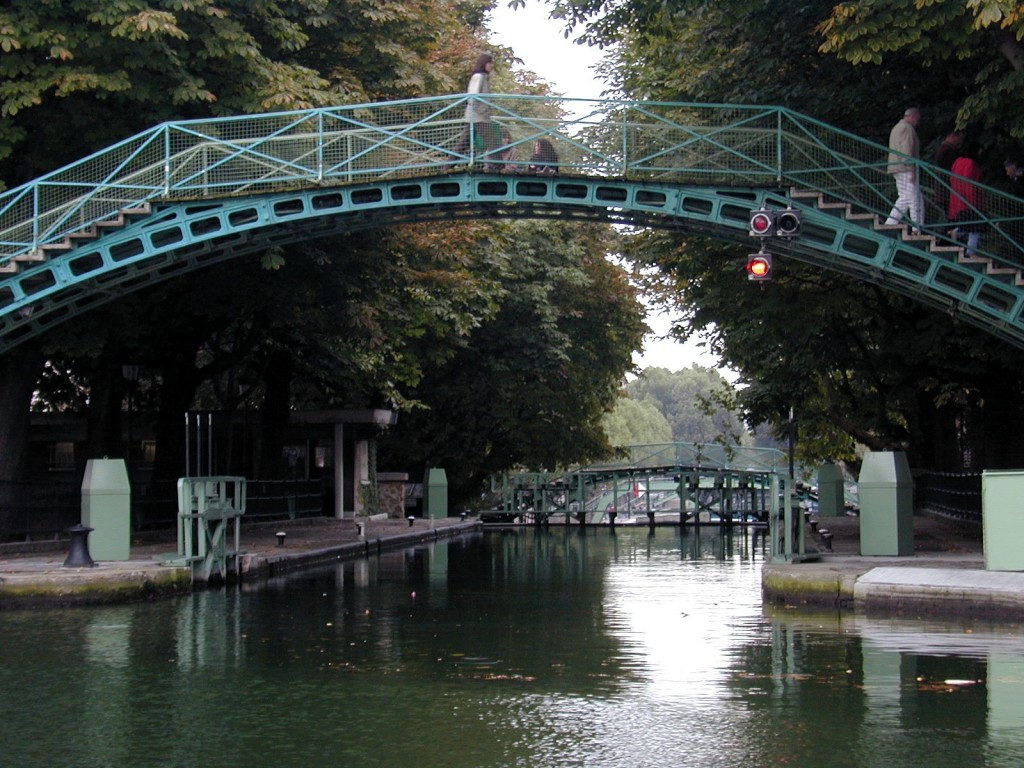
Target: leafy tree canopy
{"points": [[637, 422], [853, 363], [684, 397]]}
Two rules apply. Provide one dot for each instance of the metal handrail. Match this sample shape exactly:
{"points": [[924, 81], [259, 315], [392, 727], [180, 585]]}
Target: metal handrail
{"points": [[680, 143]]}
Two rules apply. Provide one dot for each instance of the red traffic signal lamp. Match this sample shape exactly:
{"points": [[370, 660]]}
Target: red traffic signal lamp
{"points": [[768, 223], [759, 266], [762, 223]]}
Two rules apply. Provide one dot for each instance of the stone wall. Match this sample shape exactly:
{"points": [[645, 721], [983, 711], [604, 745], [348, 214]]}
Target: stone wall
{"points": [[391, 489]]}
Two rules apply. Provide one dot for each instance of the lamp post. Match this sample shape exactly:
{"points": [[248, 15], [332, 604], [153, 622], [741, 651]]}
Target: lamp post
{"points": [[131, 375]]}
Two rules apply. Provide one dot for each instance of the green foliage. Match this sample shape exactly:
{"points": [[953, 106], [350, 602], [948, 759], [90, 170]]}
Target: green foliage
{"points": [[855, 365], [980, 37], [637, 422], [684, 398], [79, 75], [530, 385]]}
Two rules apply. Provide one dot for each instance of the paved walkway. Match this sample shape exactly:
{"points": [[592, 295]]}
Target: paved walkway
{"points": [[945, 575], [40, 578]]}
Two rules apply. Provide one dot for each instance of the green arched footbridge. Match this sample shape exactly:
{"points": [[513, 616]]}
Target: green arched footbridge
{"points": [[188, 194]]}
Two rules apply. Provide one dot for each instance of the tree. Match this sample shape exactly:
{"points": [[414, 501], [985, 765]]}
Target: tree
{"points": [[982, 37], [852, 363], [529, 387], [684, 397], [79, 75], [76, 76], [637, 422]]}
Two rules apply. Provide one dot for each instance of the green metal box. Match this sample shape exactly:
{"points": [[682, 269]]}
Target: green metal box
{"points": [[435, 493], [831, 499], [106, 508], [1002, 519], [886, 505]]}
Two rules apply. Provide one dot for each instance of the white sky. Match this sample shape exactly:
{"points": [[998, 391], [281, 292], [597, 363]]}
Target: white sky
{"points": [[540, 43]]}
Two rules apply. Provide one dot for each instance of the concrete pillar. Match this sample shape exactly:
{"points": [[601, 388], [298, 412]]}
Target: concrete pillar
{"points": [[339, 471]]}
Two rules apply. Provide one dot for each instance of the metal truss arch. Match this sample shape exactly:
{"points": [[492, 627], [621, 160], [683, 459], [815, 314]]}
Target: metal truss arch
{"points": [[171, 238]]}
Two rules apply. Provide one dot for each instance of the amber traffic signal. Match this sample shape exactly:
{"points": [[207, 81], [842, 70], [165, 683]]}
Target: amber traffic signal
{"points": [[759, 266]]}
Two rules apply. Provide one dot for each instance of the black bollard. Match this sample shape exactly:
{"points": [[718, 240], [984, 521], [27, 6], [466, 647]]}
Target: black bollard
{"points": [[611, 518], [650, 520], [280, 538], [411, 519], [78, 552], [826, 538]]}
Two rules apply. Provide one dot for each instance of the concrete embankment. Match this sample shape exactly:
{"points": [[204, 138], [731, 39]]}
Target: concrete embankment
{"points": [[36, 577], [945, 576]]}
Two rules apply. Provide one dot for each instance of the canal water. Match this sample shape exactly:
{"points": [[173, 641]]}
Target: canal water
{"points": [[509, 648]]}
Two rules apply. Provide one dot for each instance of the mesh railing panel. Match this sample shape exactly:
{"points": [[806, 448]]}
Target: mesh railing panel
{"points": [[677, 143]]}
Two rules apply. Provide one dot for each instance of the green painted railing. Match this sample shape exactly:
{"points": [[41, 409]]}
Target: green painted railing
{"points": [[696, 144]]}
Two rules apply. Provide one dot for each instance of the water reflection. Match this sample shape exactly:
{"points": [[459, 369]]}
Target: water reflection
{"points": [[544, 647]]}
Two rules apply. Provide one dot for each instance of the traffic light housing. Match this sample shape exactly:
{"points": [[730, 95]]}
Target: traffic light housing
{"points": [[788, 223], [762, 223], [759, 266], [765, 222]]}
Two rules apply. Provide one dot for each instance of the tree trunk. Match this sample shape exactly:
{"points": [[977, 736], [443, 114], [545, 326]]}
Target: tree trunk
{"points": [[178, 388], [1007, 44], [276, 407], [19, 372], [1002, 422], [103, 420]]}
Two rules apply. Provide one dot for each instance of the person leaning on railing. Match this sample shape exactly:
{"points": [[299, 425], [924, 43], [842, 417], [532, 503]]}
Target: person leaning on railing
{"points": [[545, 158]]}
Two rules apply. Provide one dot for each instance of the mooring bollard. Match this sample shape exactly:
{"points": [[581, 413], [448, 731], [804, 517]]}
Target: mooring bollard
{"points": [[411, 519], [826, 538], [78, 551], [280, 538], [361, 529]]}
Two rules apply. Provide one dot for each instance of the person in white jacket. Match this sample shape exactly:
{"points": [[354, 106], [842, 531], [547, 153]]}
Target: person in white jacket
{"points": [[478, 114], [904, 144]]}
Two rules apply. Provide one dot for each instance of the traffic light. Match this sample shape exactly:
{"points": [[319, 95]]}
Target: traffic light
{"points": [[759, 266], [787, 223], [762, 223], [768, 223]]}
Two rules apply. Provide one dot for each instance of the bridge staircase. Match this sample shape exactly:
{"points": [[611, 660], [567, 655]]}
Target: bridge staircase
{"points": [[944, 248], [18, 263]]}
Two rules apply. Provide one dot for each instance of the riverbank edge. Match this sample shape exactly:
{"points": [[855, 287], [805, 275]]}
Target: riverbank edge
{"points": [[260, 566], [103, 589], [857, 592], [789, 586], [140, 582]]}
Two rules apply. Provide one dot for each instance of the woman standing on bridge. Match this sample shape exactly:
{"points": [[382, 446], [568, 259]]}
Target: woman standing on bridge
{"points": [[478, 114]]}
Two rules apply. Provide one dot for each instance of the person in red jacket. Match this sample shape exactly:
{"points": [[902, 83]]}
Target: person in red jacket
{"points": [[966, 201]]}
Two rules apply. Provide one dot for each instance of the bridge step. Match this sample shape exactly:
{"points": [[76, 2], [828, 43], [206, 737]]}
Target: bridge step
{"points": [[72, 240], [939, 248]]}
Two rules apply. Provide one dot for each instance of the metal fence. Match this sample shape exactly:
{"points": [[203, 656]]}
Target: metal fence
{"points": [[43, 511], [700, 144], [953, 495]]}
